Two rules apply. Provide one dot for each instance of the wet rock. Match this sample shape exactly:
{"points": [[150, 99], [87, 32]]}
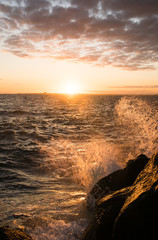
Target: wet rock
{"points": [[106, 211], [7, 233], [117, 180], [130, 212], [138, 218]]}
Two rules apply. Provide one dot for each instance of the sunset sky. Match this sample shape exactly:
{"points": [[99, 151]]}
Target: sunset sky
{"points": [[106, 46]]}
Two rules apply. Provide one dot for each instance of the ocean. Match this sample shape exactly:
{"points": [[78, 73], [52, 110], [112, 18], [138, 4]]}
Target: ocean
{"points": [[54, 148]]}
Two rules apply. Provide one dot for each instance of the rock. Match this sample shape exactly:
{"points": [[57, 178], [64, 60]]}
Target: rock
{"points": [[117, 180], [106, 211], [138, 218], [130, 212], [7, 233]]}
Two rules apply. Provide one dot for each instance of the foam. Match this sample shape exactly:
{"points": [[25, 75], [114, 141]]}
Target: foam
{"points": [[139, 123], [58, 230]]}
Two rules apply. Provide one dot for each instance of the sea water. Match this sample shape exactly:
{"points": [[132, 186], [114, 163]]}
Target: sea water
{"points": [[54, 148]]}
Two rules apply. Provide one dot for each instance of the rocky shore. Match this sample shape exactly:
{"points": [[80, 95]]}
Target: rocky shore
{"points": [[125, 203]]}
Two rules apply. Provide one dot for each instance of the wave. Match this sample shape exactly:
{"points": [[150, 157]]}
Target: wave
{"points": [[51, 176], [84, 163], [87, 161], [40, 228], [98, 159], [7, 134], [14, 113], [139, 123]]}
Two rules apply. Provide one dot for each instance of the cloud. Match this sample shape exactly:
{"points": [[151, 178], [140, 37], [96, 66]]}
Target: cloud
{"points": [[110, 32]]}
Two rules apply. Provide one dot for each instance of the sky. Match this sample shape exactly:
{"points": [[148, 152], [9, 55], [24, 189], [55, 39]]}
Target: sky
{"points": [[86, 46]]}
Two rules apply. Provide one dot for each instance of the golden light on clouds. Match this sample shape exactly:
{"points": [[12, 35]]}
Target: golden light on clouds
{"points": [[45, 43]]}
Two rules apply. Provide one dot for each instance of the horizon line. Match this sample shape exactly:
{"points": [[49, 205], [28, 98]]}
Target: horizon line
{"points": [[78, 93]]}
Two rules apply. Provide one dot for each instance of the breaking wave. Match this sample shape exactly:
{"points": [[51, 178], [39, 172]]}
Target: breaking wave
{"points": [[84, 163], [139, 124], [42, 229], [56, 149]]}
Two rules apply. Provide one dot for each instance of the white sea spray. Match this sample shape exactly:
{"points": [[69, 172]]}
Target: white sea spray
{"points": [[140, 125]]}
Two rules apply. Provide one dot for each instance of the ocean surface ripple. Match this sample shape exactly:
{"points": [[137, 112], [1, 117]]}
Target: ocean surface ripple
{"points": [[54, 148]]}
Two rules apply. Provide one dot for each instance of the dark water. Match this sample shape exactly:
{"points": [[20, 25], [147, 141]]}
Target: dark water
{"points": [[53, 148]]}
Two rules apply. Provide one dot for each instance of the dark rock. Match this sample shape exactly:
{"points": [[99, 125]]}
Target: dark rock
{"points": [[117, 180], [106, 211], [90, 232], [131, 212], [7, 233], [138, 218]]}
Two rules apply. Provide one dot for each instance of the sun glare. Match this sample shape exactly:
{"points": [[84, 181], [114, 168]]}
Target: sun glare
{"points": [[71, 89]]}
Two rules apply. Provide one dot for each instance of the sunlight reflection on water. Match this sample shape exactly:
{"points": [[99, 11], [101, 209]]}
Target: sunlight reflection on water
{"points": [[54, 148]]}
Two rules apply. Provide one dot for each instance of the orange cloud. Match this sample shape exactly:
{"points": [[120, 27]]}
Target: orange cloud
{"points": [[112, 32]]}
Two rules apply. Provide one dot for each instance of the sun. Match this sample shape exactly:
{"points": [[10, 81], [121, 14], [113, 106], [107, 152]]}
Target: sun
{"points": [[71, 88]]}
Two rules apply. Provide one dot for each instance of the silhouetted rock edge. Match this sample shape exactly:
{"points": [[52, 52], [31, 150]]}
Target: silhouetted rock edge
{"points": [[125, 202]]}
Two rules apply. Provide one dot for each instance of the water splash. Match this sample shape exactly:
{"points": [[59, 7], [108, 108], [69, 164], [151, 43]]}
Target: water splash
{"points": [[82, 162], [98, 159], [42, 229], [140, 125]]}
